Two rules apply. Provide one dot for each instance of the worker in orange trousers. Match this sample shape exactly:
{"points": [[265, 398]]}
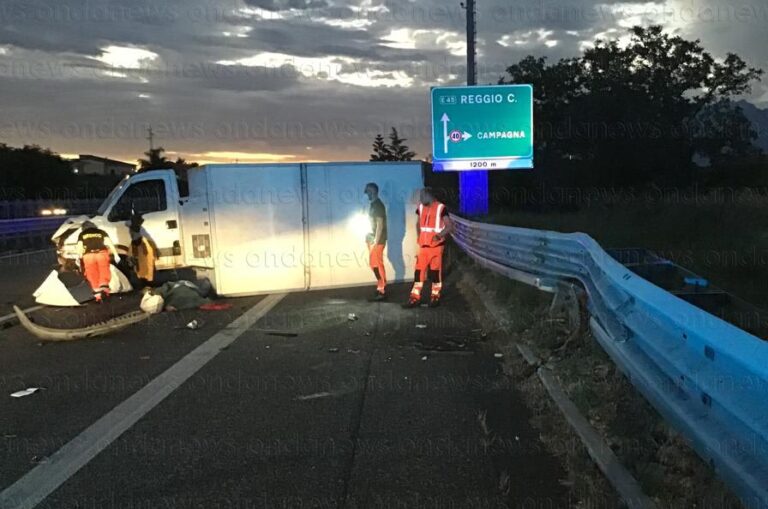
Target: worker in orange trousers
{"points": [[377, 240], [432, 227], [94, 247]]}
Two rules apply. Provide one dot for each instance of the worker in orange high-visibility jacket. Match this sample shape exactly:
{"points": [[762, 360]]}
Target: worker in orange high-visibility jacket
{"points": [[94, 247], [432, 228]]}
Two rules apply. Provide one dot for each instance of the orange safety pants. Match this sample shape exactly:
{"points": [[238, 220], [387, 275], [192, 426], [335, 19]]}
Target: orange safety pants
{"points": [[429, 264], [376, 261], [96, 268]]}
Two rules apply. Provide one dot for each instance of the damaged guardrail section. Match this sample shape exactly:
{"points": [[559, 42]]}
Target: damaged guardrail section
{"points": [[708, 378]]}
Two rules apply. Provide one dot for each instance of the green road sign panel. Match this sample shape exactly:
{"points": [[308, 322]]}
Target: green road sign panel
{"points": [[482, 128]]}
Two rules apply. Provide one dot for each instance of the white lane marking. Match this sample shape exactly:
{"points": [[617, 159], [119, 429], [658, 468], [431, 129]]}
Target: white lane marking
{"points": [[12, 316], [42, 480]]}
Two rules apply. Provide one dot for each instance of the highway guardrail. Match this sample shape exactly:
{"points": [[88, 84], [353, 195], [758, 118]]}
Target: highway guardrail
{"points": [[708, 378]]}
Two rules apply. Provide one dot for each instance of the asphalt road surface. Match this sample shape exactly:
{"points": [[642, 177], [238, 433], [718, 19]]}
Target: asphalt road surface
{"points": [[398, 408]]}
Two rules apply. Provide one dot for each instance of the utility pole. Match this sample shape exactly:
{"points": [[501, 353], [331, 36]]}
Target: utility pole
{"points": [[151, 138], [471, 31], [473, 185]]}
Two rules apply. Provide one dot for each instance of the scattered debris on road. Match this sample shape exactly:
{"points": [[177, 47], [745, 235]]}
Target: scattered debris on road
{"points": [[333, 350], [352, 317], [314, 396], [284, 334], [25, 392]]}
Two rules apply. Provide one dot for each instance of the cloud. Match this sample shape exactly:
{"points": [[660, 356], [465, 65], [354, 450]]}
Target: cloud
{"points": [[276, 76]]}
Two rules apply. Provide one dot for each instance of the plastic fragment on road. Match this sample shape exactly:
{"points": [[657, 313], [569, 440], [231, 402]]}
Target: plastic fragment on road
{"points": [[25, 392], [421, 325], [352, 317], [498, 355], [333, 350], [193, 325], [424, 358]]}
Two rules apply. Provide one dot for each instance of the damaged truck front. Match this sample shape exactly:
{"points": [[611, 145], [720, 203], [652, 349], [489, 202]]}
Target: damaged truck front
{"points": [[153, 194]]}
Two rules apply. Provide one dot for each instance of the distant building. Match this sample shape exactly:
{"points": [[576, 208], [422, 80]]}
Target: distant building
{"points": [[94, 165]]}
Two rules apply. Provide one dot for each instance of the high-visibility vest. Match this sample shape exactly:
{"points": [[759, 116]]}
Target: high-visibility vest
{"points": [[430, 223]]}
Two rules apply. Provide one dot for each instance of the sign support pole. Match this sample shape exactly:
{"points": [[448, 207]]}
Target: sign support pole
{"points": [[473, 185]]}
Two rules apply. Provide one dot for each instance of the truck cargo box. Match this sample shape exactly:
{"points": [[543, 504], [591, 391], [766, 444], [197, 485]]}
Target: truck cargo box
{"points": [[281, 227]]}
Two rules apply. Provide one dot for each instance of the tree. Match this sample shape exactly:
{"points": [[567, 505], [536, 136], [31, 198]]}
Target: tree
{"points": [[155, 160], [398, 148], [380, 149], [395, 150], [635, 111]]}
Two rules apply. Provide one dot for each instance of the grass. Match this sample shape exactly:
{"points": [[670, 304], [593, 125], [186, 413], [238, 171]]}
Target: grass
{"points": [[721, 234]]}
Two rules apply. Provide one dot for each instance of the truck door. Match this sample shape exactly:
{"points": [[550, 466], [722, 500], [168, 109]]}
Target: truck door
{"points": [[156, 199]]}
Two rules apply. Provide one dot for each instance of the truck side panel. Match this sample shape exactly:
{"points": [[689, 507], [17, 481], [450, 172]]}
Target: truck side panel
{"points": [[338, 221], [256, 223]]}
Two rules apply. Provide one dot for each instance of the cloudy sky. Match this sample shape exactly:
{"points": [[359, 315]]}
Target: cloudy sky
{"points": [[293, 80]]}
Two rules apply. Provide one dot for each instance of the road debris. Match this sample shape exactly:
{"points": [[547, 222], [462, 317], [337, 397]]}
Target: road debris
{"points": [[25, 392], [424, 358], [284, 334], [352, 317], [498, 355], [193, 325], [99, 329], [314, 396], [333, 350], [421, 325]]}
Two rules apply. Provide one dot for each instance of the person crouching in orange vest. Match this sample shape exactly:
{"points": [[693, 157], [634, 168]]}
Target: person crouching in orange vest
{"points": [[432, 228], [94, 247]]}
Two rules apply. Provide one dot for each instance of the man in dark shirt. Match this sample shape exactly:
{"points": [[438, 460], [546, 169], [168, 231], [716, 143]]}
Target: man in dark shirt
{"points": [[377, 239]]}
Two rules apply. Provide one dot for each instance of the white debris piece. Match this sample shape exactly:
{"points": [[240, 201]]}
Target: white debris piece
{"points": [[351, 317], [25, 392], [498, 355], [421, 325]]}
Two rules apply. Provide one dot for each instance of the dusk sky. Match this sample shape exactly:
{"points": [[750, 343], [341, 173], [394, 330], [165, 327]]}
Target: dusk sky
{"points": [[293, 80]]}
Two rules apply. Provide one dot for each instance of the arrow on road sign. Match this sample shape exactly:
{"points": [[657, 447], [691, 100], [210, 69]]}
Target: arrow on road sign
{"points": [[465, 136], [445, 120]]}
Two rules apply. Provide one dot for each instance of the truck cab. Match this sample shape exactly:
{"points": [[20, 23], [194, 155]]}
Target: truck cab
{"points": [[153, 194]]}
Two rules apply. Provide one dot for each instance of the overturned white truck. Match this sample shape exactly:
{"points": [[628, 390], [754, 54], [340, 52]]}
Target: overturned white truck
{"points": [[257, 228]]}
